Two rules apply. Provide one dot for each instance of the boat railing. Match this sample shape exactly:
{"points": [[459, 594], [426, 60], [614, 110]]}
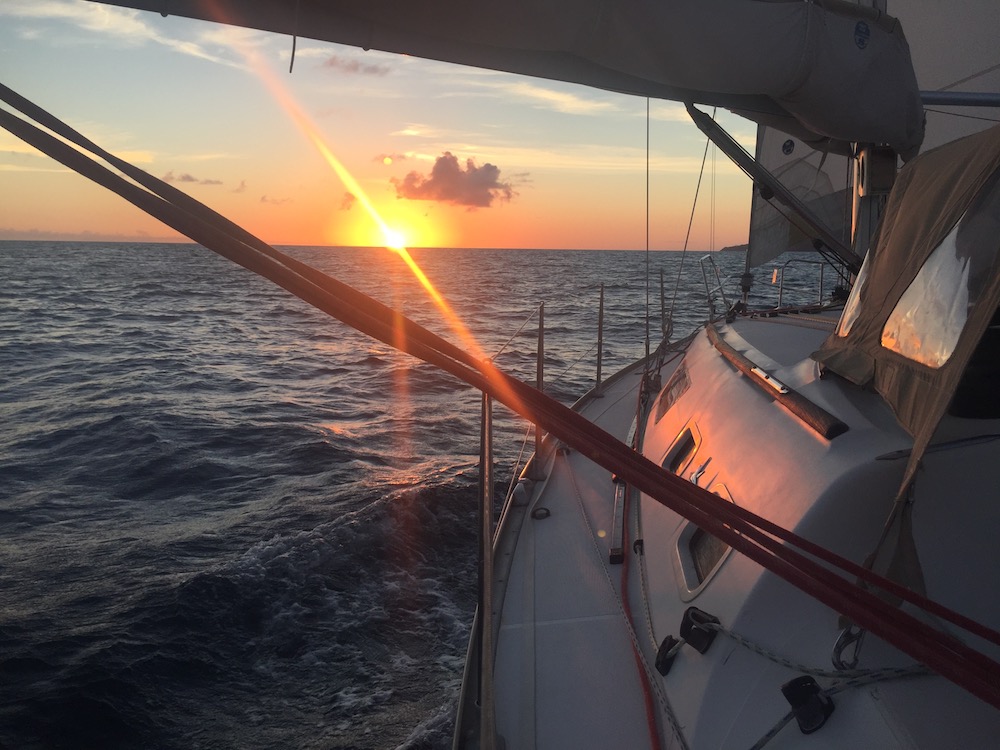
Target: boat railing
{"points": [[779, 277], [714, 288], [478, 691]]}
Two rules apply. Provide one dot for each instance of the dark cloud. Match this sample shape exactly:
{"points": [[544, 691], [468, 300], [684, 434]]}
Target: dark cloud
{"points": [[389, 158], [448, 182], [348, 201], [355, 67], [171, 177]]}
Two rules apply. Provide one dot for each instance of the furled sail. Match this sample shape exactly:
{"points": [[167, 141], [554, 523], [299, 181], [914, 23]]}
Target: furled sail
{"points": [[822, 69]]}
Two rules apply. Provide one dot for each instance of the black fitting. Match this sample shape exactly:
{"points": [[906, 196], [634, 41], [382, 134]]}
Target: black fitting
{"points": [[665, 659], [811, 706], [696, 636]]}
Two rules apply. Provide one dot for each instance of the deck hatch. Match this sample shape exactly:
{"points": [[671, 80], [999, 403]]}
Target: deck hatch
{"points": [[699, 555], [706, 551], [679, 455]]}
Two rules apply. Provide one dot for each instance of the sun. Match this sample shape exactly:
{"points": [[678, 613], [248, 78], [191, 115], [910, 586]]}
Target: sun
{"points": [[394, 239]]}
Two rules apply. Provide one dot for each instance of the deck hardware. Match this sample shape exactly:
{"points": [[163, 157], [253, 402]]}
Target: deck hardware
{"points": [[811, 706], [813, 416], [770, 380], [638, 547], [850, 641], [540, 513], [696, 475], [665, 654], [616, 553], [693, 630]]}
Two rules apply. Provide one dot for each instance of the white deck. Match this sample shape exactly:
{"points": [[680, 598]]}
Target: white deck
{"points": [[566, 675], [562, 623]]}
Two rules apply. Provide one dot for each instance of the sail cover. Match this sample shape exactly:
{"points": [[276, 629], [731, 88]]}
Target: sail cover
{"points": [[929, 290], [825, 70]]}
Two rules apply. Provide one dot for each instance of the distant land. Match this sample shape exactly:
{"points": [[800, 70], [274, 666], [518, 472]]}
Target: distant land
{"points": [[734, 249]]}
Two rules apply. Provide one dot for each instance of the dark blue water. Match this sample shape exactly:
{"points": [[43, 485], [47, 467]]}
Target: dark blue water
{"points": [[228, 521]]}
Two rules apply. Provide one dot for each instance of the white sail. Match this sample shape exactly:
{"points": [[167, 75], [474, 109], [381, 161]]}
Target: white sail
{"points": [[818, 179], [937, 31]]}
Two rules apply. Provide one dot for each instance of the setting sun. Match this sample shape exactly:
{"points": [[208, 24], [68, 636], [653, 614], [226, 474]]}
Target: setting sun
{"points": [[394, 239]]}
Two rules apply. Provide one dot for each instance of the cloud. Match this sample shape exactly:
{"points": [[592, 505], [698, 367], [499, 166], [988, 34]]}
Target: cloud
{"points": [[241, 188], [543, 97], [419, 130], [20, 168], [355, 67], [274, 201], [124, 26], [475, 187], [389, 158], [171, 177], [348, 201], [34, 235]]}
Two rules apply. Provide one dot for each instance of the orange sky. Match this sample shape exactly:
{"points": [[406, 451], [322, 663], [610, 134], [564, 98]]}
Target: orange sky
{"points": [[447, 155]]}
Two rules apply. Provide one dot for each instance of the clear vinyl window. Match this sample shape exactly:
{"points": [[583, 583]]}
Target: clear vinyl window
{"points": [[926, 323], [853, 306]]}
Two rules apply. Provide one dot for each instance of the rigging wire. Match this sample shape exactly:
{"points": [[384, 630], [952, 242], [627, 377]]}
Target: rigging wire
{"points": [[971, 76], [687, 237], [961, 114], [815, 570], [518, 331]]}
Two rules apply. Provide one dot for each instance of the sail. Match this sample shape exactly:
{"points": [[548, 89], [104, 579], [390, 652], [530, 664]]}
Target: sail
{"points": [[818, 179], [822, 70]]}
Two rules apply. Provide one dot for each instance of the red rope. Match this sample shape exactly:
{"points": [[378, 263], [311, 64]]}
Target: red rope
{"points": [[640, 662]]}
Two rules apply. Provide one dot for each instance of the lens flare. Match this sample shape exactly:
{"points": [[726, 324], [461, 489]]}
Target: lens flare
{"points": [[394, 240]]}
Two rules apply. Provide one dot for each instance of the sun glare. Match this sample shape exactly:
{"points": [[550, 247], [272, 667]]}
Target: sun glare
{"points": [[393, 239]]}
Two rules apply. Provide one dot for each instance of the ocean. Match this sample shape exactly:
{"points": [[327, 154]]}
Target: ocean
{"points": [[229, 521]]}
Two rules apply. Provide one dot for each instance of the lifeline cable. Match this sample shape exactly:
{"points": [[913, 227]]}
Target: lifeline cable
{"points": [[752, 535]]}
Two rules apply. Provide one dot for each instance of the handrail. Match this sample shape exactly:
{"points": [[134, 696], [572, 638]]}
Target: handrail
{"points": [[816, 417]]}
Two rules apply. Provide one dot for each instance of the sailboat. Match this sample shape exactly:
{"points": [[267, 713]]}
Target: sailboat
{"points": [[778, 531]]}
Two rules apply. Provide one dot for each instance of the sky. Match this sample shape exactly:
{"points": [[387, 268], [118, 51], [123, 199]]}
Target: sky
{"points": [[448, 156]]}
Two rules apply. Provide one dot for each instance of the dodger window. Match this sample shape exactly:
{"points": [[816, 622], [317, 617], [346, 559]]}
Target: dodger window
{"points": [[926, 323]]}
